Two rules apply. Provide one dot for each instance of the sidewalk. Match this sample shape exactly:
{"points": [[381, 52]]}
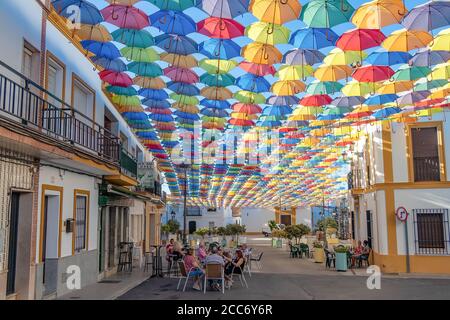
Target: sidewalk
{"points": [[109, 288]]}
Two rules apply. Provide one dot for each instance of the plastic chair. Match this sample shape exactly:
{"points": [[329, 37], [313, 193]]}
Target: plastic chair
{"points": [[304, 250], [214, 272]]}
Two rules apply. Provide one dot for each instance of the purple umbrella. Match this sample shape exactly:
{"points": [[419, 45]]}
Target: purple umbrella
{"points": [[347, 101], [429, 16], [224, 8], [282, 100], [412, 97], [427, 58], [303, 57]]}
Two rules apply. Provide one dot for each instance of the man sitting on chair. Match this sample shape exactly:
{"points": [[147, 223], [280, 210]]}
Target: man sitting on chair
{"points": [[215, 258]]}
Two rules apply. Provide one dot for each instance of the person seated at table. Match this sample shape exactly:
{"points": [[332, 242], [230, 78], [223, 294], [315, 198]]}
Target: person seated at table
{"points": [[193, 266], [201, 252], [235, 266], [215, 258], [169, 249], [364, 255], [356, 253], [177, 251]]}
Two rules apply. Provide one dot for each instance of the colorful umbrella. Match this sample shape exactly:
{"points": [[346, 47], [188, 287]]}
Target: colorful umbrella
{"points": [[115, 65], [221, 28], [299, 72], [388, 58], [326, 13], [183, 88], [313, 38], [332, 73], [125, 17], [253, 83], [101, 49], [261, 53], [224, 8], [277, 12], [347, 101], [257, 69], [287, 87], [407, 73], [220, 49], [87, 13], [379, 13], [145, 69], [173, 22], [133, 38], [428, 16], [360, 39], [176, 44], [268, 33], [118, 79], [178, 5], [303, 57], [179, 60], [426, 58], [442, 41], [140, 54], [93, 32], [406, 40], [373, 73], [181, 75]]}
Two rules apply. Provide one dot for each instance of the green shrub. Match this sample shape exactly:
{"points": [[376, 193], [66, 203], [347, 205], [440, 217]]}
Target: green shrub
{"points": [[328, 222], [317, 245], [202, 232], [341, 249]]}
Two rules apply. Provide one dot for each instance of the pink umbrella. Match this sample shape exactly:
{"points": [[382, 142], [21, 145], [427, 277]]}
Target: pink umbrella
{"points": [[119, 79], [125, 17], [181, 75]]}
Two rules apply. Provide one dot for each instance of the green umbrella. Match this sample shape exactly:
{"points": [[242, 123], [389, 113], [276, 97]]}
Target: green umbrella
{"points": [[184, 99], [177, 5], [326, 13], [132, 101], [134, 38], [428, 85], [217, 80], [410, 73], [140, 54], [145, 69], [327, 87], [127, 91], [249, 97]]}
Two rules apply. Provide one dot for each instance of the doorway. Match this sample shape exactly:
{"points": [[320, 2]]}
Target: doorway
{"points": [[112, 237], [192, 227], [286, 219], [50, 242], [369, 227], [13, 236]]}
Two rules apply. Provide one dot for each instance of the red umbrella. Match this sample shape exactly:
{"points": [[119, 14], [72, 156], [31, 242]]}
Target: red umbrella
{"points": [[316, 100], [154, 146], [257, 69], [221, 28], [177, 74], [360, 39], [373, 73], [126, 17], [159, 111], [166, 126], [119, 79], [247, 108], [213, 125], [429, 102], [241, 122]]}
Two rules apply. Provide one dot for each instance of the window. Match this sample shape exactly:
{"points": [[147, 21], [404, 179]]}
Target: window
{"points": [[30, 63], [425, 154], [83, 100], [81, 223], [55, 79], [431, 231], [124, 140]]}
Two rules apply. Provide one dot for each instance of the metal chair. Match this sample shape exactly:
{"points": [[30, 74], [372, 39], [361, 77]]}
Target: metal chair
{"points": [[125, 257], [258, 260], [184, 275], [149, 261], [214, 272], [241, 277]]}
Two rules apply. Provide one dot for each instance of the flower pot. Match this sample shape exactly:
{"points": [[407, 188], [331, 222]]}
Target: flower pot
{"points": [[274, 242], [279, 243], [341, 261], [319, 255]]}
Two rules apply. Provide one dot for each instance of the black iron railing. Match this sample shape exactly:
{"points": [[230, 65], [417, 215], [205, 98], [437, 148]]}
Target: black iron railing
{"points": [[431, 231], [28, 103], [128, 164], [427, 169]]}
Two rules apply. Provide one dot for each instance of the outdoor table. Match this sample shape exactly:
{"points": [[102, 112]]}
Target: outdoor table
{"points": [[157, 265]]}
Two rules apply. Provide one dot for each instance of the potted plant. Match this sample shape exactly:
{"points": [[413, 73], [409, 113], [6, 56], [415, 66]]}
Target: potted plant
{"points": [[341, 258], [319, 253], [277, 238]]}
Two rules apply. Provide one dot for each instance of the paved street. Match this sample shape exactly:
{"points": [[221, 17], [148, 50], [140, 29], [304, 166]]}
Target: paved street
{"points": [[282, 278]]}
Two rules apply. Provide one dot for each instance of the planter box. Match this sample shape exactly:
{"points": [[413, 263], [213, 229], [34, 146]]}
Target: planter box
{"points": [[279, 243], [341, 261], [319, 255]]}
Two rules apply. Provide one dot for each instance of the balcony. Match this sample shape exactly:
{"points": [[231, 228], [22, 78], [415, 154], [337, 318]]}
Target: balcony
{"points": [[128, 171], [23, 106]]}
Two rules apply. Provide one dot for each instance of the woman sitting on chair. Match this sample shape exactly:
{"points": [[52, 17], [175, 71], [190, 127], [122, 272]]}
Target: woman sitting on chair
{"points": [[235, 266], [192, 265]]}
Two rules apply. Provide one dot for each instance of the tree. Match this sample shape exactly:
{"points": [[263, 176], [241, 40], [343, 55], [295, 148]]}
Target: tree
{"points": [[272, 225], [297, 231], [202, 232], [328, 222], [221, 231], [279, 234], [173, 226]]}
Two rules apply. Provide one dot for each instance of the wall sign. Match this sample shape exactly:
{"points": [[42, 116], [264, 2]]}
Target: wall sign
{"points": [[402, 214]]}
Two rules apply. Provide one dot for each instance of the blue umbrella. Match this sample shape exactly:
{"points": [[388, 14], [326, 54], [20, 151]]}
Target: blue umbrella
{"points": [[413, 97], [303, 57], [277, 111], [101, 49], [87, 13], [380, 99], [282, 100], [154, 94], [146, 69], [173, 22], [185, 121], [429, 16], [216, 113], [183, 88], [387, 58], [253, 83], [268, 124], [217, 80], [133, 116], [224, 8], [150, 135], [347, 101], [188, 116], [161, 117], [216, 104], [116, 65], [220, 49], [122, 91], [386, 112], [427, 58], [170, 144], [176, 44], [313, 38], [151, 103]]}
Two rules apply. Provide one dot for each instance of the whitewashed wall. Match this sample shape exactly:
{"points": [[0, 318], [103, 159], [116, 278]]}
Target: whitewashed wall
{"points": [[255, 219]]}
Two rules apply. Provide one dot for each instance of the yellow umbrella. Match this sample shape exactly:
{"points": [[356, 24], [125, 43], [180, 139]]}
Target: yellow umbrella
{"points": [[309, 142], [262, 53], [378, 14], [269, 33], [320, 132], [216, 93], [406, 40], [440, 72], [151, 83], [395, 87], [441, 93], [287, 87], [276, 11], [213, 66], [358, 89], [186, 108], [441, 42], [244, 116], [320, 123], [332, 73], [178, 60], [338, 56], [287, 72], [96, 33]]}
